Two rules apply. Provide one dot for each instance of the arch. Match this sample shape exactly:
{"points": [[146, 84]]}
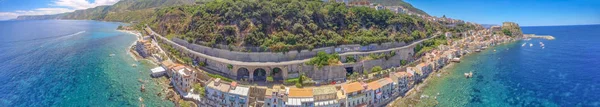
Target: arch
{"points": [[277, 73], [260, 74], [243, 73]]}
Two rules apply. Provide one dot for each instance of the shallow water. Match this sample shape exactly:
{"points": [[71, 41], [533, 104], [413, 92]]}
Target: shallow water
{"points": [[564, 73], [67, 63]]}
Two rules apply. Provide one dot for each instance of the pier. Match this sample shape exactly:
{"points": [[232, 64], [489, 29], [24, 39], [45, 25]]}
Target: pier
{"points": [[548, 37]]}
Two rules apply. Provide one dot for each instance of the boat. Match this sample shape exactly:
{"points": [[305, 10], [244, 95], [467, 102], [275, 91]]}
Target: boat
{"points": [[523, 44], [477, 50], [494, 50], [469, 75], [143, 88], [530, 45], [111, 55], [133, 65]]}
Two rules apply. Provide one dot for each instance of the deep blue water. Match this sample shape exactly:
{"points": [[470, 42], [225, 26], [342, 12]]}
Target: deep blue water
{"points": [[564, 73], [67, 63]]}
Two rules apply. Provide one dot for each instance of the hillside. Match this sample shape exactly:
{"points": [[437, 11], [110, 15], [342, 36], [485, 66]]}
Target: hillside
{"points": [[400, 3], [287, 25], [124, 10]]}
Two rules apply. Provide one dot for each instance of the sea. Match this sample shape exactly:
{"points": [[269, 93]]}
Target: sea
{"points": [[68, 63], [563, 73]]}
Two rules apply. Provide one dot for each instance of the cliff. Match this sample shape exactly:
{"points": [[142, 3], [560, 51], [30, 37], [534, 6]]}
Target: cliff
{"points": [[511, 29], [124, 10]]}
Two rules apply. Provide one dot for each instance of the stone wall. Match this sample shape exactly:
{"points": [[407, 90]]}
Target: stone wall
{"points": [[280, 56]]}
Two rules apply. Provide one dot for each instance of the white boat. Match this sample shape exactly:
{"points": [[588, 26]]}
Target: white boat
{"points": [[530, 45], [523, 44]]}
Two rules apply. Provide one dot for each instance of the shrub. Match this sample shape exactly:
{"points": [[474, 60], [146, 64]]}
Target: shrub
{"points": [[376, 69], [298, 85]]}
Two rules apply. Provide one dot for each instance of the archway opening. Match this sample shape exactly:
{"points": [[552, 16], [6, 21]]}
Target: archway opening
{"points": [[277, 74], [260, 74], [243, 73]]}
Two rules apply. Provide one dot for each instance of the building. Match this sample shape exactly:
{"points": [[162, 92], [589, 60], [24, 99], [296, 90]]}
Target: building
{"points": [[168, 64], [216, 93], [403, 80], [355, 94], [276, 97], [257, 96], [158, 71], [142, 48], [183, 78], [380, 90], [326, 96], [300, 97], [238, 96]]}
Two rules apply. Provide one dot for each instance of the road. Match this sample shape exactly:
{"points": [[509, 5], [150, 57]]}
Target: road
{"points": [[283, 63]]}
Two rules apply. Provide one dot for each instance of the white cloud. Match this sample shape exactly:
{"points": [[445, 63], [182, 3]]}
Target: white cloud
{"points": [[59, 6], [83, 4]]}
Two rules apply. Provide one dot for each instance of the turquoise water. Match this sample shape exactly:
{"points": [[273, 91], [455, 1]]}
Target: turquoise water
{"points": [[564, 73], [67, 63]]}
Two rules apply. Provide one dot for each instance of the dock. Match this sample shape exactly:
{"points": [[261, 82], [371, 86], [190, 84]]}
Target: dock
{"points": [[548, 37]]}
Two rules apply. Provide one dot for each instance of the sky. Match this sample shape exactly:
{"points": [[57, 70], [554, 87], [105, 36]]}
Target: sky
{"points": [[523, 12], [10, 9]]}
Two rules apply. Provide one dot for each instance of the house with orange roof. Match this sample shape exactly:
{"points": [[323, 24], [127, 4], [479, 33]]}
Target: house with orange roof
{"points": [[300, 97], [355, 94], [379, 90]]}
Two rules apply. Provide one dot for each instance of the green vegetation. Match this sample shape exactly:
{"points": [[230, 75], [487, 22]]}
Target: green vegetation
{"points": [[403, 62], [292, 80], [376, 69], [122, 11], [270, 79], [506, 32], [324, 59], [408, 6], [285, 25], [183, 103], [350, 59], [198, 89], [229, 66], [219, 76], [430, 44]]}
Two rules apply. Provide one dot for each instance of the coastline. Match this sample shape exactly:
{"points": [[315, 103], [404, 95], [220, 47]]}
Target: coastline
{"points": [[416, 97], [167, 91]]}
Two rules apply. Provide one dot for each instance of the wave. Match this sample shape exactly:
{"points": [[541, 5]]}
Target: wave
{"points": [[49, 37]]}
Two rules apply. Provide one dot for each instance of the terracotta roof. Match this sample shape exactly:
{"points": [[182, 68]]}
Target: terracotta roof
{"points": [[300, 92], [324, 90], [352, 87], [373, 85]]}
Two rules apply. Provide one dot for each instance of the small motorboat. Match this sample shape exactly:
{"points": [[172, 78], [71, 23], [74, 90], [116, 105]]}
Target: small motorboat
{"points": [[530, 45], [111, 55], [523, 44]]}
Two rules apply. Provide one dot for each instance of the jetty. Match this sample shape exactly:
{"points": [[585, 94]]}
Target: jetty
{"points": [[548, 37]]}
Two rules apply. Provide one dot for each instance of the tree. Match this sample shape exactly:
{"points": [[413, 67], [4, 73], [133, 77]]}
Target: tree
{"points": [[507, 32], [198, 89], [376, 69], [270, 79]]}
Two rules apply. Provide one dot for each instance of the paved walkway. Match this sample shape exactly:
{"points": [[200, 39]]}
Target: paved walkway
{"points": [[283, 63]]}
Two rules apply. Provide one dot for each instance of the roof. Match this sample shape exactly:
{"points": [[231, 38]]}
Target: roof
{"points": [[157, 69], [167, 63], [241, 91], [300, 92], [385, 81], [352, 87], [374, 85], [219, 86], [324, 90], [402, 74]]}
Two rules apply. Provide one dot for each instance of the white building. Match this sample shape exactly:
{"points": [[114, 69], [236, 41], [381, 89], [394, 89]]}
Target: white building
{"points": [[238, 96]]}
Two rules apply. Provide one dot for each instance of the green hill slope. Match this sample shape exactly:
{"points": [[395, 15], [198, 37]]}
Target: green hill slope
{"points": [[124, 10], [283, 25]]}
